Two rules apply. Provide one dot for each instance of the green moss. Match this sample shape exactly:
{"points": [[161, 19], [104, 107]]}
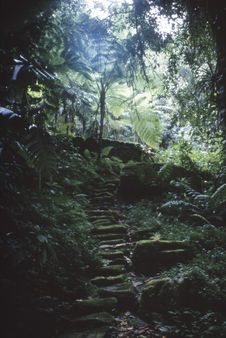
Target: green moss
{"points": [[114, 229], [110, 280], [93, 320], [87, 306], [112, 270]]}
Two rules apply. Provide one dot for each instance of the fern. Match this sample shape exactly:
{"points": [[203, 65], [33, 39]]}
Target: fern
{"points": [[165, 171], [172, 207], [219, 195], [41, 152]]}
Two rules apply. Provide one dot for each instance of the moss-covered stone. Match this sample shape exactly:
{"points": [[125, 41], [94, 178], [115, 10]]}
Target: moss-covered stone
{"points": [[110, 280], [113, 229], [112, 241], [111, 236], [111, 254], [123, 292], [163, 295], [141, 234], [92, 321], [87, 306], [112, 270], [95, 333], [155, 297], [151, 255]]}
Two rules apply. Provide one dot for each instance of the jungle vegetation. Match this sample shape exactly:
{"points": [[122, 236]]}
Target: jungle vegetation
{"points": [[147, 72]]}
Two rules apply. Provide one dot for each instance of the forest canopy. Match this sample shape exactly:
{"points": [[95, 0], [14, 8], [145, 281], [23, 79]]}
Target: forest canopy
{"points": [[144, 71]]}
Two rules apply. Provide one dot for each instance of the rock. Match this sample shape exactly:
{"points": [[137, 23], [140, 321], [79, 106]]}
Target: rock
{"points": [[157, 296], [95, 333], [141, 234], [111, 254], [184, 291], [110, 280], [149, 256], [112, 270], [87, 306], [112, 241], [92, 321], [123, 292], [110, 229], [139, 180], [123, 150], [111, 236]]}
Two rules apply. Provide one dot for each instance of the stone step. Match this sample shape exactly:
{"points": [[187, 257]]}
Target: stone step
{"points": [[105, 221], [125, 247], [103, 211], [111, 254], [109, 280], [110, 229], [112, 270], [91, 321], [102, 217], [111, 236], [100, 332], [124, 293], [88, 306], [113, 241]]}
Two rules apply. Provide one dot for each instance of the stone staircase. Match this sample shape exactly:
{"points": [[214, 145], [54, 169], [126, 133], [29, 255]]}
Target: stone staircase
{"points": [[96, 317], [118, 287]]}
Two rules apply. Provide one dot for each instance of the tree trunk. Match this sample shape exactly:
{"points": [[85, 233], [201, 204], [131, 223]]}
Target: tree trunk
{"points": [[102, 116]]}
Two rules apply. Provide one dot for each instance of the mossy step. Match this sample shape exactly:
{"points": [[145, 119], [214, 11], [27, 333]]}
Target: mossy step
{"points": [[111, 236], [92, 321], [87, 306], [124, 293], [102, 192], [103, 211], [118, 261], [105, 221], [112, 270], [112, 241], [120, 246], [102, 198], [111, 254], [110, 229], [110, 280], [100, 332], [102, 217]]}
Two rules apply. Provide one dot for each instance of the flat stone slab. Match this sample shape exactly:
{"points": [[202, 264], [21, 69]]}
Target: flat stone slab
{"points": [[111, 254], [87, 306], [112, 241], [92, 321], [95, 333], [110, 280], [123, 292], [110, 229], [111, 236], [112, 270]]}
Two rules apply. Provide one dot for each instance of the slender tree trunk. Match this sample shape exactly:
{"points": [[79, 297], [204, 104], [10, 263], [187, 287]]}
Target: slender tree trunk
{"points": [[102, 116]]}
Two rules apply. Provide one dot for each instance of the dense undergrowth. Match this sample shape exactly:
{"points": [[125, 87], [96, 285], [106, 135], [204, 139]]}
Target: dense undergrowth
{"points": [[47, 253], [189, 218]]}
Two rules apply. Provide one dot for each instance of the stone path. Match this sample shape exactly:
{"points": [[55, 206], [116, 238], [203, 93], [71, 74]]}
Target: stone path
{"points": [[113, 312]]}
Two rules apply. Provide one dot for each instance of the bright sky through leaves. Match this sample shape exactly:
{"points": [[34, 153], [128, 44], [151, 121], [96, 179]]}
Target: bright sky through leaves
{"points": [[100, 9]]}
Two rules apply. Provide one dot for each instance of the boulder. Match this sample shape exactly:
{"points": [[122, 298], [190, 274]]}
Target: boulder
{"points": [[125, 151], [150, 256]]}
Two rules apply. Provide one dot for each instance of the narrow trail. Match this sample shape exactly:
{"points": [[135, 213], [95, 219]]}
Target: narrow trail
{"points": [[113, 312]]}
